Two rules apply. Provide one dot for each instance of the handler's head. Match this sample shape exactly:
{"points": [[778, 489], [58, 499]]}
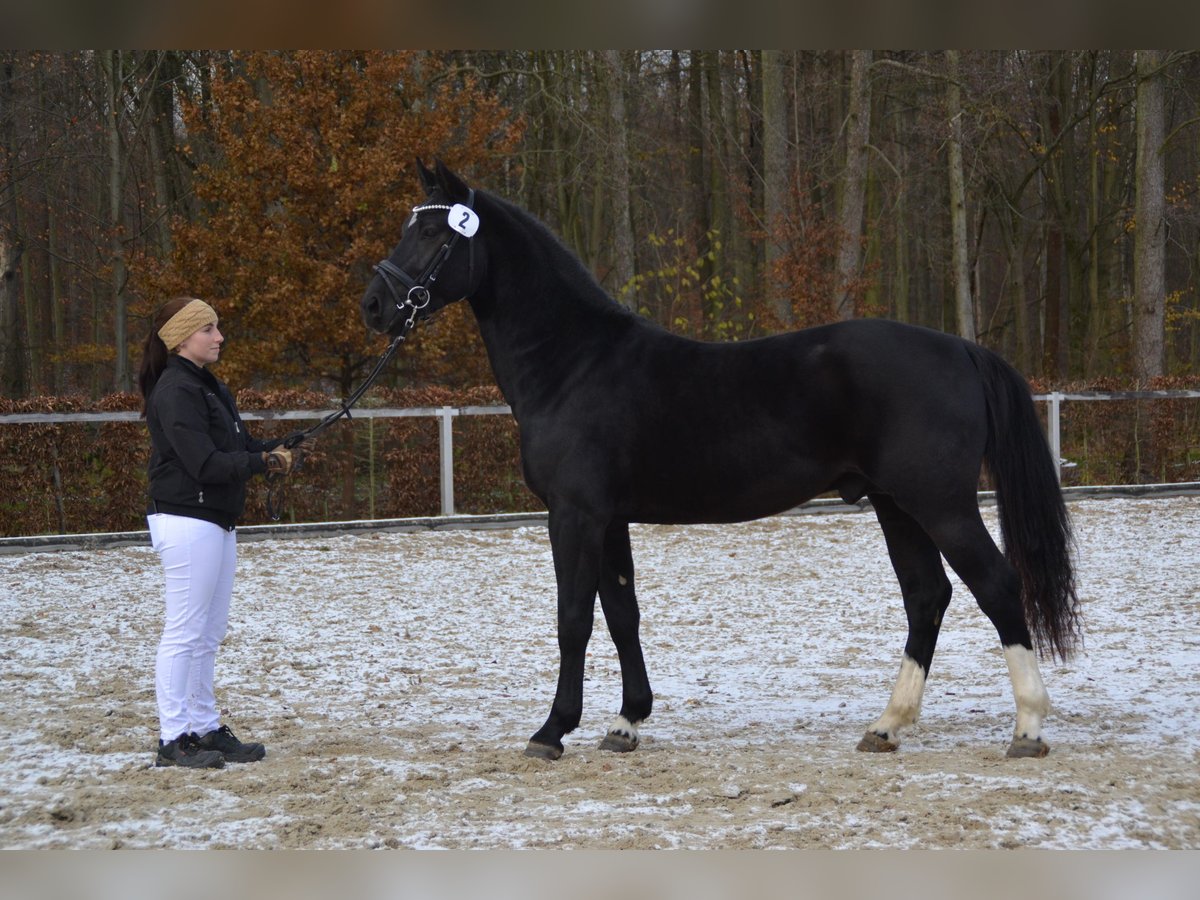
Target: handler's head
{"points": [[183, 318]]}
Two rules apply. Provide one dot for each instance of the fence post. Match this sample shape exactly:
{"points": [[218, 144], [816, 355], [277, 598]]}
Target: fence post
{"points": [[371, 467], [1054, 425], [446, 458]]}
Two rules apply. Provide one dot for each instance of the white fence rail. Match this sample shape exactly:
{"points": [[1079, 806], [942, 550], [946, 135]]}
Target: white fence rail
{"points": [[447, 414], [444, 414], [1054, 413]]}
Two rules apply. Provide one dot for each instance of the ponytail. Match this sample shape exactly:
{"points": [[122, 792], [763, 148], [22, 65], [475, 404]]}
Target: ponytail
{"points": [[154, 352]]}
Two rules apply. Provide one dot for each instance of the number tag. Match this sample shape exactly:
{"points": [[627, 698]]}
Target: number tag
{"points": [[463, 220]]}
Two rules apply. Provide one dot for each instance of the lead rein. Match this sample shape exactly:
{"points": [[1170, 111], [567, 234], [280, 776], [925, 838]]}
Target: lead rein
{"points": [[275, 480]]}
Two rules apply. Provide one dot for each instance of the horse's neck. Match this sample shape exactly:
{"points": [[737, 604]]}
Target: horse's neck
{"points": [[541, 326]]}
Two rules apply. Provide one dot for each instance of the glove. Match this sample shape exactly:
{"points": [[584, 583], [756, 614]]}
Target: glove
{"points": [[279, 461]]}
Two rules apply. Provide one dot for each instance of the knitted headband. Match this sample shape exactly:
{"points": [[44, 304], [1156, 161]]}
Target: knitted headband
{"points": [[181, 326]]}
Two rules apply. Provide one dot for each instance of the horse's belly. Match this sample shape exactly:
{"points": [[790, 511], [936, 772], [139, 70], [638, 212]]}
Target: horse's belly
{"points": [[726, 496]]}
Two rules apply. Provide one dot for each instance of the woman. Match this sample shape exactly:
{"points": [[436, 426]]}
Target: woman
{"points": [[201, 458]]}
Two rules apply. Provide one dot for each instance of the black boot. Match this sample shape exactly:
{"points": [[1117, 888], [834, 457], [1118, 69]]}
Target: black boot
{"points": [[223, 741], [184, 751]]}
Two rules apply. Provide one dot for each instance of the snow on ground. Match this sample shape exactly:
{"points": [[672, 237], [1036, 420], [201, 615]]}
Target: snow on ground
{"points": [[395, 679]]}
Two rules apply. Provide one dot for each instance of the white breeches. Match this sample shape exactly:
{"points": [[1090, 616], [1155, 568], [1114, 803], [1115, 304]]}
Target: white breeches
{"points": [[198, 560]]}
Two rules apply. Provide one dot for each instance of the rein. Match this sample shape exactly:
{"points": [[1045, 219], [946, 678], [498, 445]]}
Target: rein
{"points": [[277, 480]]}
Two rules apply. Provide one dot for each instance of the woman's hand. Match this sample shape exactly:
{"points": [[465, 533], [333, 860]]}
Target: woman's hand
{"points": [[279, 461]]}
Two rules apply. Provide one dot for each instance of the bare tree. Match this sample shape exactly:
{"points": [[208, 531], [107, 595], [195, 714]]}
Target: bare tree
{"points": [[623, 260], [1150, 234], [776, 183], [13, 369], [12, 349], [964, 305], [112, 64], [854, 181]]}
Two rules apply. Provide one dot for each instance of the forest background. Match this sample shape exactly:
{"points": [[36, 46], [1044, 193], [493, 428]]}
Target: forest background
{"points": [[1042, 203]]}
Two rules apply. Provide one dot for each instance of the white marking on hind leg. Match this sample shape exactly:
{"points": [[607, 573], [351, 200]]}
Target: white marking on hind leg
{"points": [[905, 705], [1033, 703]]}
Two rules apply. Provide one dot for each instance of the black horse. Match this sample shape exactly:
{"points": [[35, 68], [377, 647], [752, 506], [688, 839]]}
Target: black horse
{"points": [[622, 422]]}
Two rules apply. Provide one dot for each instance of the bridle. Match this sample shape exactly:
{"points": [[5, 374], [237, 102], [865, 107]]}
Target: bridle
{"points": [[416, 299], [416, 293]]}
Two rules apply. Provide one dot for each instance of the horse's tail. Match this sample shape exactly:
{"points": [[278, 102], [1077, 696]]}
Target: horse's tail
{"points": [[1033, 516]]}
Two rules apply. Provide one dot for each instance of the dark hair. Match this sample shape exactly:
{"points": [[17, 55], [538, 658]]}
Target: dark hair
{"points": [[154, 352]]}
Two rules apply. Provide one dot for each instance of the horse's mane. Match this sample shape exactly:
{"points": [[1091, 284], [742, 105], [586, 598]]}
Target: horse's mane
{"points": [[558, 257]]}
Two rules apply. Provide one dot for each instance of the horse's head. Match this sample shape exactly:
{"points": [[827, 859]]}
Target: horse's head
{"points": [[437, 261]]}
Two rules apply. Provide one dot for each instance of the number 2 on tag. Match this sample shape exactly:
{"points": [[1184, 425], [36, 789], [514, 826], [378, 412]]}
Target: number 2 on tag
{"points": [[463, 220]]}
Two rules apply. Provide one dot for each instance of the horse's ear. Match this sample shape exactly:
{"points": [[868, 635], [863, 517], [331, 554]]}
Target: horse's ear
{"points": [[456, 189], [428, 179]]}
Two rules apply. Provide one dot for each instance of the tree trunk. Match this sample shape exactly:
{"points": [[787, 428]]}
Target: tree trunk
{"points": [[13, 371], [623, 261], [700, 214], [1059, 189], [964, 306], [29, 222], [1094, 308], [160, 141], [744, 161], [713, 262], [776, 184], [1054, 351], [1150, 234], [854, 183], [34, 333], [111, 62], [54, 298], [12, 348], [1012, 228], [901, 288]]}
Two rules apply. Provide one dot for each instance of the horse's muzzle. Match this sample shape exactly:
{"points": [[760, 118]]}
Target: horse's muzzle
{"points": [[375, 303]]}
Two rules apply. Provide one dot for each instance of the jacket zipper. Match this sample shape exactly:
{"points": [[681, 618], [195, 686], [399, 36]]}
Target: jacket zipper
{"points": [[233, 417], [202, 496]]}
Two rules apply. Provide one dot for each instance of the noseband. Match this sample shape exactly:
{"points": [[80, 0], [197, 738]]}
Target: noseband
{"points": [[416, 291]]}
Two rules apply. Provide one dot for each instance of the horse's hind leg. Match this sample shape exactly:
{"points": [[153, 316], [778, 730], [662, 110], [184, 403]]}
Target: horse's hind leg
{"points": [[968, 547], [619, 603], [926, 591]]}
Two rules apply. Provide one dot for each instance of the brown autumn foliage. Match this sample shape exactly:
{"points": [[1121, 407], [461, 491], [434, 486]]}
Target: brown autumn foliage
{"points": [[1144, 441], [71, 478], [313, 178], [805, 272]]}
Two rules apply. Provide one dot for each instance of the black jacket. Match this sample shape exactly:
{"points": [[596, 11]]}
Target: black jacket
{"points": [[201, 453]]}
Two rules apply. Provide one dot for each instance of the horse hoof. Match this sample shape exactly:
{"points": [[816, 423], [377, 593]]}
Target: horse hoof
{"points": [[873, 743], [619, 742], [543, 751], [1027, 748]]}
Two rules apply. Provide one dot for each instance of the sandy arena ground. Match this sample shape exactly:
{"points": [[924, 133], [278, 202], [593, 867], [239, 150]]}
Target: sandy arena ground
{"points": [[395, 679]]}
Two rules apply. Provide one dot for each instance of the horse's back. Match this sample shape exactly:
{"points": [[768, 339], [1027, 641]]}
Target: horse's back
{"points": [[673, 430], [829, 377]]}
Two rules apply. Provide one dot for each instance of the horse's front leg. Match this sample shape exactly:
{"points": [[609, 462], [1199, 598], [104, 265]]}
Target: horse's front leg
{"points": [[621, 613], [577, 542]]}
